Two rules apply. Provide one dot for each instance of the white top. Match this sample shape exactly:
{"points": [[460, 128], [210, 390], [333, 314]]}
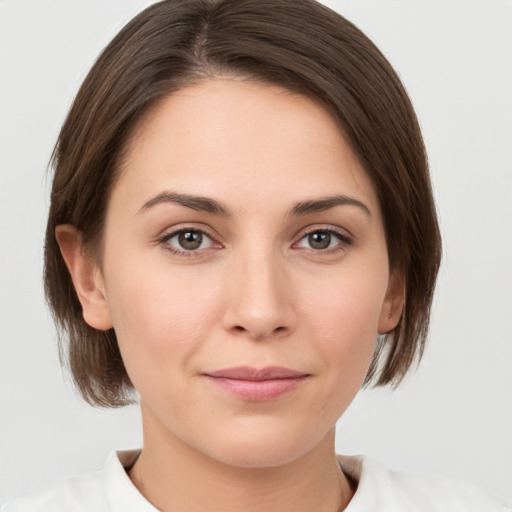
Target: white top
{"points": [[379, 490]]}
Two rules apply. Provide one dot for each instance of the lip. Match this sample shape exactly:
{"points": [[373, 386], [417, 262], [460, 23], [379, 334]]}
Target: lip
{"points": [[256, 384]]}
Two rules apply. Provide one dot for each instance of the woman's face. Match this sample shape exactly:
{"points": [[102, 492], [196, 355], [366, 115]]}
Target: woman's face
{"points": [[245, 272]]}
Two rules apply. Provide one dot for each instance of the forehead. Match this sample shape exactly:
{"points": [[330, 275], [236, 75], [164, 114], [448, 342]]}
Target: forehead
{"points": [[238, 140]]}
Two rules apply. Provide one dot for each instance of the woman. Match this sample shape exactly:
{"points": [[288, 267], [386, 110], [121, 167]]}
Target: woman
{"points": [[242, 229]]}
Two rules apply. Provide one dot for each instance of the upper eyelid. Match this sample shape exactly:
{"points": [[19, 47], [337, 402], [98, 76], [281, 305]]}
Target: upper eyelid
{"points": [[343, 233], [166, 237], [171, 232], [165, 241]]}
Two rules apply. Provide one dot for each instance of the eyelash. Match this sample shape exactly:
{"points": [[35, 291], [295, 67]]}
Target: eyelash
{"points": [[164, 240], [344, 241]]}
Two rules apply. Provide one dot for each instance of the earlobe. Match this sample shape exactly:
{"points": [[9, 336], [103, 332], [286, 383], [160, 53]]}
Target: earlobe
{"points": [[86, 276], [393, 305]]}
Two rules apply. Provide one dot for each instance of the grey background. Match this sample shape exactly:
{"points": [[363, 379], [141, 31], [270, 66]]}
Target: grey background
{"points": [[454, 415]]}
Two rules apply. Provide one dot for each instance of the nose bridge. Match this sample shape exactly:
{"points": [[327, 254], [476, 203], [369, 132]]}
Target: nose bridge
{"points": [[261, 303], [259, 272]]}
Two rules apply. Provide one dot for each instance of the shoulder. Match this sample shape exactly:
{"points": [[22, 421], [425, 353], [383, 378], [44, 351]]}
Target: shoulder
{"points": [[73, 495], [101, 491], [380, 488]]}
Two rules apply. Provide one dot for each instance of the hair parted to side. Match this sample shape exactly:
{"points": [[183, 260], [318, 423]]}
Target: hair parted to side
{"points": [[300, 45]]}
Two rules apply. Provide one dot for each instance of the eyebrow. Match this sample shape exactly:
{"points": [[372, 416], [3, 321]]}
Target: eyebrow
{"points": [[208, 205], [322, 204], [199, 203]]}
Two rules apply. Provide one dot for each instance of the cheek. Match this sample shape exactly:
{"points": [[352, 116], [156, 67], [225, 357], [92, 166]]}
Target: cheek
{"points": [[158, 313], [350, 304], [345, 324]]}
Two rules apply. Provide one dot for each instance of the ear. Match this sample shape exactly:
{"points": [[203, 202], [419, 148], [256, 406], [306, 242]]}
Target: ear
{"points": [[86, 276], [393, 304]]}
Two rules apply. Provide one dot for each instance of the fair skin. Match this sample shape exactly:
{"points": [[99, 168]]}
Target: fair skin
{"points": [[261, 280]]}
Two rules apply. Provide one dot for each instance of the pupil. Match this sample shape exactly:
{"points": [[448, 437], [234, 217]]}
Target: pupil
{"points": [[320, 240], [190, 240]]}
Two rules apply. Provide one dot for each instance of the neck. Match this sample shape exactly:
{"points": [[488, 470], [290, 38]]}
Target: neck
{"points": [[174, 476]]}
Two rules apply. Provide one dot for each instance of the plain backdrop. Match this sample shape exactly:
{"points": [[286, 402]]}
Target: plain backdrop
{"points": [[454, 415]]}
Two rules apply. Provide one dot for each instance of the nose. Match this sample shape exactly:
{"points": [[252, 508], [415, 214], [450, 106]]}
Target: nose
{"points": [[261, 299]]}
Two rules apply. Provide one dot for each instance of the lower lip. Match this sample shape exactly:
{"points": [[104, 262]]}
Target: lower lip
{"points": [[258, 390]]}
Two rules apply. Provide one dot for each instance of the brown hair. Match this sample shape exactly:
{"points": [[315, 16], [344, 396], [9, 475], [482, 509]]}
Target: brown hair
{"points": [[297, 44]]}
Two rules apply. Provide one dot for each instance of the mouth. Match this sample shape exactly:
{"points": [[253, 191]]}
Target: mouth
{"points": [[257, 384]]}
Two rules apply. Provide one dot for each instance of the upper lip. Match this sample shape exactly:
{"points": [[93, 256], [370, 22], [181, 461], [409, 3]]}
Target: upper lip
{"points": [[250, 373]]}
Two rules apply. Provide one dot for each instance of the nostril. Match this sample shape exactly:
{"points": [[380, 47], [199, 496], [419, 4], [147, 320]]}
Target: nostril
{"points": [[258, 335]]}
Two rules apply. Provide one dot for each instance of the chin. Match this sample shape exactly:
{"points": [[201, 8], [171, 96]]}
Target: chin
{"points": [[249, 458], [261, 448]]}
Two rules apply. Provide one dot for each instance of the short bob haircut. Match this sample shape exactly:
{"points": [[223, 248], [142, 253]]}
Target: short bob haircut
{"points": [[299, 45]]}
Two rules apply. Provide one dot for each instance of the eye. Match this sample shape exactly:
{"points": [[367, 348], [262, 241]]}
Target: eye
{"points": [[187, 241], [324, 239]]}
